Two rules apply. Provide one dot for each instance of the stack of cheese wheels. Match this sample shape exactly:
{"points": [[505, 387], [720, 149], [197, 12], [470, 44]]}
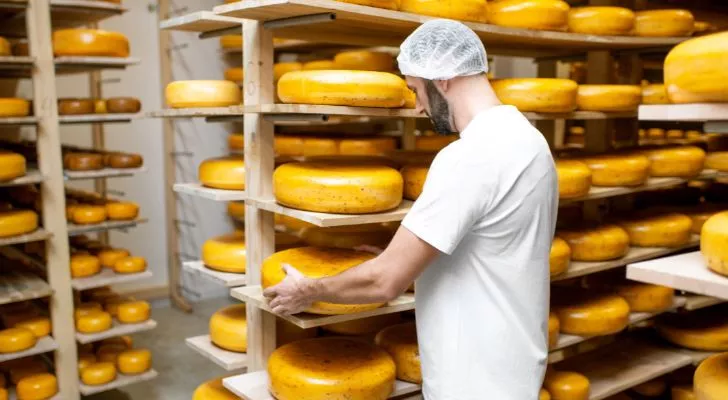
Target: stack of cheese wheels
{"points": [[363, 60], [17, 222], [650, 389], [347, 237], [364, 326], [37, 386], [343, 88], [629, 169], [717, 160], [338, 187], [226, 173], [98, 373], [280, 69], [319, 65], [14, 107], [711, 378], [547, 15], [695, 70], [13, 340], [654, 94], [601, 20], [566, 385], [560, 256], [335, 368], [574, 178], [713, 239], [662, 230], [434, 142], [400, 341], [545, 95], [233, 42], [704, 330], [190, 94], [585, 312], [90, 42], [213, 390], [554, 329], [317, 262], [12, 166], [414, 180], [464, 10], [677, 162], [608, 98], [664, 23]]}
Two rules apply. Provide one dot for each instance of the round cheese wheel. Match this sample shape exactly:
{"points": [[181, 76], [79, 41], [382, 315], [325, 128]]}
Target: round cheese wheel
{"points": [[234, 74], [134, 362], [654, 94], [133, 312], [88, 308], [235, 142], [464, 10], [400, 341], [85, 214], [14, 340], [674, 134], [319, 65], [229, 328], [434, 142], [717, 160], [655, 133], [682, 393], [694, 70], [666, 230], [364, 326], [5, 49], [711, 378], [644, 297], [654, 388], [606, 242], [547, 15], [100, 106], [83, 161], [236, 209], [608, 98], [601, 20], [388, 4], [364, 60], [560, 256], [84, 360], [123, 160], [701, 27], [618, 169], [225, 253], [347, 237], [99, 373], [109, 353], [123, 105], [213, 390], [678, 162], [37, 387], [336, 368], [713, 239], [320, 146], [40, 326], [414, 180], [664, 23], [338, 187], [125, 341], [704, 330], [223, 173], [193, 94], [280, 69], [317, 262], [566, 385], [343, 88], [292, 145], [17, 222], [122, 210], [12, 107], [25, 368], [12, 165], [111, 305], [233, 42], [76, 106], [90, 42], [701, 216], [574, 179], [367, 146], [554, 329], [94, 322], [130, 265], [543, 394], [83, 265], [589, 313], [546, 95]]}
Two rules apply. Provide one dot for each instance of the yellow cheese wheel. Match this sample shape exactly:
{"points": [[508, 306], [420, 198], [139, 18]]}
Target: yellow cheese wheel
{"points": [[434, 142], [675, 134], [414, 180], [332, 368], [229, 328], [122, 210], [364, 326], [94, 322], [133, 312], [12, 165], [630, 169], [644, 297], [134, 362], [711, 378], [111, 306], [366, 146], [192, 94], [5, 49], [547, 15], [14, 340], [90, 42], [280, 69], [664, 23], [343, 88], [554, 329], [317, 146], [213, 390], [713, 241], [654, 94], [544, 395], [462, 10], [109, 352], [236, 142], [388, 4], [84, 309], [17, 222], [400, 341], [37, 387], [601, 20], [701, 27], [347, 237], [109, 257], [130, 265], [566, 385], [574, 178], [655, 133], [317, 262], [234, 42], [13, 107], [666, 230], [545, 95], [704, 330], [84, 360], [235, 74], [363, 60], [695, 70], [223, 173], [40, 326], [679, 162], [560, 256], [602, 243], [717, 160], [83, 265], [99, 373], [608, 98], [338, 187], [701, 216], [26, 367], [653, 388], [682, 393], [319, 65], [87, 214], [588, 313], [225, 253]]}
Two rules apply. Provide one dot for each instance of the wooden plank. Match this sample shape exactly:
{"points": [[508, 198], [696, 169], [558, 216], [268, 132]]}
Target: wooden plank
{"points": [[605, 192], [253, 295], [684, 112], [31, 176], [74, 229], [16, 62], [21, 286], [121, 381], [13, 396], [254, 386], [195, 189], [79, 64], [226, 279], [107, 277], [44, 345], [98, 118], [19, 121], [228, 360], [686, 272], [696, 302], [118, 329], [103, 173], [35, 236], [200, 21]]}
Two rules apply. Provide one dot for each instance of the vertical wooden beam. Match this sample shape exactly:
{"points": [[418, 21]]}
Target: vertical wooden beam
{"points": [[38, 20], [98, 139], [409, 140], [547, 69]]}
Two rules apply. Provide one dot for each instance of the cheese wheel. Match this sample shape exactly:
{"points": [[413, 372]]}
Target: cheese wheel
{"points": [[701, 216], [711, 378], [717, 160], [12, 107], [83, 161], [655, 133], [618, 169], [26, 368], [363, 60], [320, 146], [109, 353], [704, 330], [331, 368], [547, 95], [554, 328], [601, 20], [388, 4], [713, 241], [235, 74], [666, 230], [84, 360], [133, 312], [364, 326], [400, 341], [544, 395], [674, 134], [560, 256], [76, 106], [17, 222], [566, 385], [606, 242], [236, 209], [229, 328], [90, 42], [88, 308], [123, 160], [226, 173], [317, 262], [701, 27], [574, 179], [12, 165], [338, 187], [37, 387], [123, 105], [125, 341], [213, 390], [546, 15], [695, 70], [678, 162], [83, 265], [588, 313], [347, 237], [98, 374], [40, 326], [4, 47], [462, 10], [14, 340], [193, 94], [653, 388], [654, 94], [682, 393], [664, 23], [88, 214], [100, 106], [434, 142], [235, 142], [130, 265], [367, 146], [343, 88], [414, 180], [225, 253], [94, 322], [233, 42], [644, 297], [111, 306], [280, 69], [319, 65], [608, 98], [134, 362], [122, 210]]}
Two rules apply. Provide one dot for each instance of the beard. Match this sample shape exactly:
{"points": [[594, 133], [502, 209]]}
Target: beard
{"points": [[439, 112]]}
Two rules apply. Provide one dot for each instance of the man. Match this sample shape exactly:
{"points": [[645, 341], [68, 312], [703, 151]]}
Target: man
{"points": [[477, 240]]}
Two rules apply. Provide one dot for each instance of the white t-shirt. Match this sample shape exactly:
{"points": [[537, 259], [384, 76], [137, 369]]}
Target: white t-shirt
{"points": [[489, 205]]}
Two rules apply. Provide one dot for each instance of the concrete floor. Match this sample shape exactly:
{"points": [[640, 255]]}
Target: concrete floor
{"points": [[180, 368]]}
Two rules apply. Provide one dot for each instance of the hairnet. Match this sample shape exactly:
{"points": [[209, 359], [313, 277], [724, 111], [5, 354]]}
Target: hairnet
{"points": [[442, 49]]}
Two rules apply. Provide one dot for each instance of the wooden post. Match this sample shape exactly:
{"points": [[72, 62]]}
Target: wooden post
{"points": [[97, 140], [547, 69], [409, 140], [38, 21]]}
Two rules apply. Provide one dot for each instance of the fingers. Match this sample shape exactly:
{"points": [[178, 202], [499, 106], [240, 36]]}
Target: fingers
{"points": [[290, 271], [271, 292]]}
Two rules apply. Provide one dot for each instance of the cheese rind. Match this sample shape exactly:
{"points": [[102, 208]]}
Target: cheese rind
{"points": [[347, 237], [608, 98], [98, 374], [194, 94], [37, 387], [704, 330], [602, 243], [713, 239], [130, 265], [618, 169], [14, 107], [717, 160], [388, 4], [559, 257], [133, 312], [589, 313], [434, 142], [225, 253], [5, 49], [548, 15], [94, 322], [547, 95], [17, 222], [122, 210], [677, 162], [226, 173], [87, 214], [235, 74], [461, 10], [134, 362], [695, 70], [40, 326], [90, 42], [574, 178], [666, 230], [601, 20], [664, 23], [13, 340], [12, 165], [229, 328], [414, 180], [566, 385], [363, 60], [644, 297], [682, 392], [213, 390], [654, 94], [400, 341], [711, 378], [83, 265], [554, 329], [234, 42], [653, 388]]}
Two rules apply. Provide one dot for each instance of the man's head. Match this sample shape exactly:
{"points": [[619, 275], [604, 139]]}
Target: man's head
{"points": [[431, 57]]}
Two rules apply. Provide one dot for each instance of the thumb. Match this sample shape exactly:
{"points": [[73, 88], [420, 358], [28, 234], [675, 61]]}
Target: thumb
{"points": [[292, 272]]}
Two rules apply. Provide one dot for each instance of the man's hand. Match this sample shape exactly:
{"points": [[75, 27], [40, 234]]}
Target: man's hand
{"points": [[369, 249], [289, 297]]}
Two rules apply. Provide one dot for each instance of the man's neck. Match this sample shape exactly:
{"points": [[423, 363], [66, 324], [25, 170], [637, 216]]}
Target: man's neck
{"points": [[473, 95]]}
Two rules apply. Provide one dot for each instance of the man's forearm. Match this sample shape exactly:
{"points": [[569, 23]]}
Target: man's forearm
{"points": [[362, 284]]}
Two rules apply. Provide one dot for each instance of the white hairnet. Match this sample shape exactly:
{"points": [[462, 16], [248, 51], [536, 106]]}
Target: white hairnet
{"points": [[442, 49]]}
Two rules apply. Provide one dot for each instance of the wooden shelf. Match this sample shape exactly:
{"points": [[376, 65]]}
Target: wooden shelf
{"points": [[328, 220], [31, 176], [121, 381], [18, 121], [21, 286], [74, 229], [35, 236], [44, 345], [696, 302], [200, 21], [103, 173], [228, 360], [80, 64], [254, 386], [687, 272], [684, 112], [197, 190], [15, 63], [107, 277], [254, 295], [64, 14], [226, 279], [117, 329], [98, 118]]}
